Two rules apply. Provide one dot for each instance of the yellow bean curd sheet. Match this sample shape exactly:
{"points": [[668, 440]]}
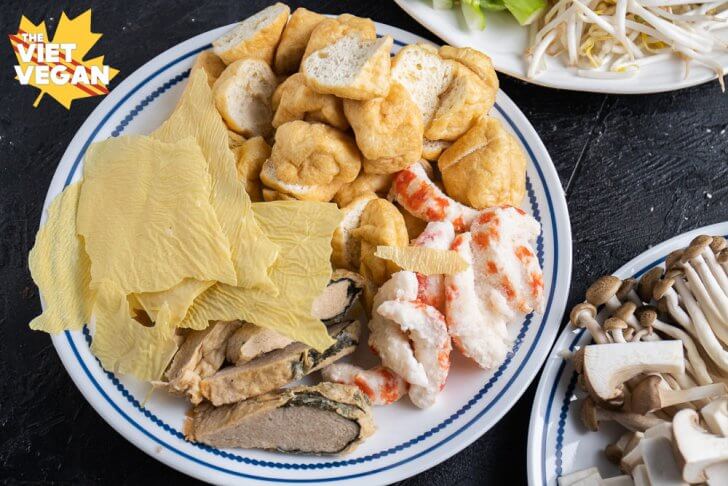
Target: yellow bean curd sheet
{"points": [[162, 224], [427, 261]]}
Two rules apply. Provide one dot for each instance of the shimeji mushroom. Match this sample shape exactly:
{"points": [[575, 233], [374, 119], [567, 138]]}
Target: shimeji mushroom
{"points": [[699, 325], [653, 394], [647, 316], [604, 292], [627, 292], [592, 416], [607, 366], [584, 315], [665, 294], [615, 327], [715, 415], [640, 476], [708, 283], [699, 449], [647, 283]]}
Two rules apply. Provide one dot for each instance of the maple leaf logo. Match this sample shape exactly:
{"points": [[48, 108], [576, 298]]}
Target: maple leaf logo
{"points": [[75, 31]]}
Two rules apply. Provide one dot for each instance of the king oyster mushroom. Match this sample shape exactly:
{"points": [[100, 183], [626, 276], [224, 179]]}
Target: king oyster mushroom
{"points": [[698, 448], [607, 366], [715, 415], [652, 394], [592, 416]]}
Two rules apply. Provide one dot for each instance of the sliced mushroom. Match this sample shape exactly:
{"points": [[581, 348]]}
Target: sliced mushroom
{"points": [[647, 316], [715, 415], [658, 458], [608, 366], [699, 449], [578, 477], [652, 394], [626, 442], [592, 416]]}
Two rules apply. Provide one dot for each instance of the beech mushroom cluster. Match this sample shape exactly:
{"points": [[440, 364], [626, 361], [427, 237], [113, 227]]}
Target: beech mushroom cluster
{"points": [[658, 366]]}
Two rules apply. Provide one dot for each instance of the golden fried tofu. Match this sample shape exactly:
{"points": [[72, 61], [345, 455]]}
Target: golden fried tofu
{"points": [[294, 40], [294, 100], [485, 167], [380, 224], [249, 159], [378, 184], [211, 64], [388, 130], [345, 249], [329, 31], [476, 61], [311, 161], [466, 99]]}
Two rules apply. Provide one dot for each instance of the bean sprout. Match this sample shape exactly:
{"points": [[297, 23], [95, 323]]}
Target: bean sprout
{"points": [[613, 39]]}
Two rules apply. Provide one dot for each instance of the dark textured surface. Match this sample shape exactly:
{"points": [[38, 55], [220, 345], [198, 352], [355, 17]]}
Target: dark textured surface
{"points": [[638, 169]]}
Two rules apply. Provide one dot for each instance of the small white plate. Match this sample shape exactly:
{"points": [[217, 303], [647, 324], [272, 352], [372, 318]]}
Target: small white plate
{"points": [[505, 42], [408, 440], [558, 443]]}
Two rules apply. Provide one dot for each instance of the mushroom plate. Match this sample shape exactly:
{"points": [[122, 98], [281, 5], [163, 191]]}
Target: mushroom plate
{"points": [[558, 442], [408, 440]]}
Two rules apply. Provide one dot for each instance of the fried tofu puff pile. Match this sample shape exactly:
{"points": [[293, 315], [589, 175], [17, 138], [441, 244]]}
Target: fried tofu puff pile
{"points": [[300, 138]]}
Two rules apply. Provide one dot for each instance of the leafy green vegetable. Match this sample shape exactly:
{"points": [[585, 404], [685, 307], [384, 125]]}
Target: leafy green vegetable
{"points": [[474, 16], [525, 11]]}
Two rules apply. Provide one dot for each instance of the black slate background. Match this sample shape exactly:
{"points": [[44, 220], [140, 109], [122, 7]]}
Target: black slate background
{"points": [[636, 169]]}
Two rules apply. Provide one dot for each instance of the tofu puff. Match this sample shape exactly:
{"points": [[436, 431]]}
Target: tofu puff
{"points": [[294, 40], [255, 37], [211, 64], [249, 158], [329, 31], [380, 224], [452, 88], [294, 100], [486, 167], [311, 161], [378, 184], [388, 130]]}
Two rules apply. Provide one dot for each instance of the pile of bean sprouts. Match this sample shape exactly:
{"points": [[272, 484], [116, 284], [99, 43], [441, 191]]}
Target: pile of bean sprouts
{"points": [[607, 39]]}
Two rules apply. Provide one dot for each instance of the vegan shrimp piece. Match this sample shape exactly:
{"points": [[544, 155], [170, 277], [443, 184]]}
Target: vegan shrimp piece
{"points": [[426, 327], [382, 385], [387, 339], [477, 331], [504, 259], [422, 198], [439, 236]]}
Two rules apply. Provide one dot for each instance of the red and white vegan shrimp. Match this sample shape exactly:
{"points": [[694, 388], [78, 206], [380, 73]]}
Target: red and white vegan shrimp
{"points": [[504, 260], [382, 385], [387, 339], [439, 236], [477, 330], [427, 329], [422, 198]]}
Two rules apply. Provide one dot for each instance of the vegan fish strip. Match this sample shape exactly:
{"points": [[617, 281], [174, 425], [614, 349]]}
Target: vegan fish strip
{"points": [[145, 215], [427, 261], [196, 116], [303, 230], [125, 346], [61, 268]]}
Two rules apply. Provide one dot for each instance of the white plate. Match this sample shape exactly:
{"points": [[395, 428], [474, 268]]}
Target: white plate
{"points": [[558, 443], [408, 441], [505, 42]]}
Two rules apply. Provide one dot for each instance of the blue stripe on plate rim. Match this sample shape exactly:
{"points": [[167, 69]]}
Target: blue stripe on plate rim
{"points": [[566, 401], [117, 131]]}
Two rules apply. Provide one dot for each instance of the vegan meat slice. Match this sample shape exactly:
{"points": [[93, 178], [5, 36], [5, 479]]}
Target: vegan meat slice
{"points": [[201, 355], [278, 368], [340, 295], [328, 418]]}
